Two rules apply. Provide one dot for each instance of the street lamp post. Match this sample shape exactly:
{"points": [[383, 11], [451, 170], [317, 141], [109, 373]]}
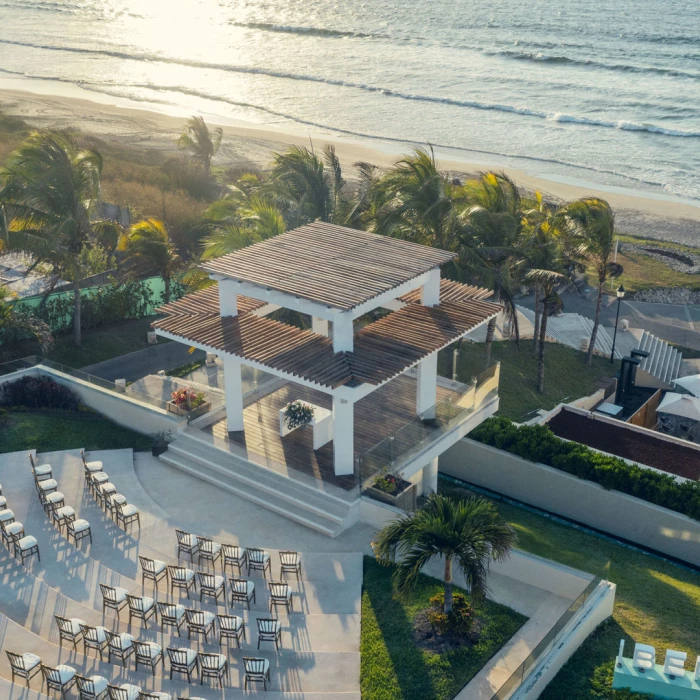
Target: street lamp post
{"points": [[620, 294]]}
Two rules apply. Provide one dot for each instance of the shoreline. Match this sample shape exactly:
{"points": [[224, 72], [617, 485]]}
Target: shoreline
{"points": [[245, 144]]}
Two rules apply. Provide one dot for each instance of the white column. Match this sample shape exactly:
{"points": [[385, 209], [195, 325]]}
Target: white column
{"points": [[319, 325], [430, 478], [426, 390], [233, 388], [228, 298], [343, 436], [430, 291], [342, 333]]}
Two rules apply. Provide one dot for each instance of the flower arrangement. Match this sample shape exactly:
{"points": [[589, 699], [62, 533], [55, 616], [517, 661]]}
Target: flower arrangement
{"points": [[298, 414], [188, 398], [387, 482]]}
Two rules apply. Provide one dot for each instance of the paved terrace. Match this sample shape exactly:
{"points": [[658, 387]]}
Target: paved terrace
{"points": [[319, 658]]}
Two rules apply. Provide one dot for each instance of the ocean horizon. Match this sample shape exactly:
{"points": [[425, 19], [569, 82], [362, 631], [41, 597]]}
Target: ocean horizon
{"points": [[608, 96]]}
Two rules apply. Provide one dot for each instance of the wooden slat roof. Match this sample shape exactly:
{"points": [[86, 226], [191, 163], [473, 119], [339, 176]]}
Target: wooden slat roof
{"points": [[205, 302], [333, 265], [450, 291], [382, 349]]}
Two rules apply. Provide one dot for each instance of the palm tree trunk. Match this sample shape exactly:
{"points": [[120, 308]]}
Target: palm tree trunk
{"points": [[76, 312], [536, 332], [490, 330], [448, 585], [540, 356], [596, 322]]}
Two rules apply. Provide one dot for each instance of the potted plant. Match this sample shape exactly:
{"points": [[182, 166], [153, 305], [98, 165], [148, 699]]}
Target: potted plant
{"points": [[188, 401], [160, 442], [298, 414], [394, 490]]}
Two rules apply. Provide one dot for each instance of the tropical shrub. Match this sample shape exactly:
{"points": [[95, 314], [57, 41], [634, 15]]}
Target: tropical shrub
{"points": [[458, 622], [39, 392], [538, 443], [298, 414]]}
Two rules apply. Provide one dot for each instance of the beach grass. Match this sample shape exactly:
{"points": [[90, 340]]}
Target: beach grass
{"points": [[52, 430], [566, 374], [657, 602], [393, 667]]}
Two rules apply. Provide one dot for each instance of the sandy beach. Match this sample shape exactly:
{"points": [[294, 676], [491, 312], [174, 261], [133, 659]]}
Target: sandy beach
{"points": [[247, 145]]}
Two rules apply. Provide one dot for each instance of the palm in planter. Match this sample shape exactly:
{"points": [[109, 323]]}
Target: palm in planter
{"points": [[468, 532]]}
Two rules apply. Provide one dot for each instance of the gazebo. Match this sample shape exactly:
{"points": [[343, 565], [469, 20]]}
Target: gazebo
{"points": [[335, 276]]}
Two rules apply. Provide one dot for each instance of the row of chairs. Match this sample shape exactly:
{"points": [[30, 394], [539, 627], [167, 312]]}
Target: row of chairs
{"points": [[105, 493], [253, 558], [13, 536], [53, 502]]}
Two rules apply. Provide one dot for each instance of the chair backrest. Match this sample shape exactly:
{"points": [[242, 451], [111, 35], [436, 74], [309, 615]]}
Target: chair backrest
{"points": [[82, 456], [16, 660], [229, 622], [64, 625], [178, 573], [209, 660], [239, 585], [89, 633], [205, 544], [178, 657], [183, 538], [117, 693], [116, 642], [51, 674], [108, 592], [254, 666], [267, 625], [167, 610], [147, 565], [206, 580], [85, 685], [31, 461], [143, 649], [135, 603], [194, 617], [254, 554], [231, 551], [289, 558], [145, 695], [279, 590]]}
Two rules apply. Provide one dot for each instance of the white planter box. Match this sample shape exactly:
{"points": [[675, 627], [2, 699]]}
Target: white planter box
{"points": [[322, 424]]}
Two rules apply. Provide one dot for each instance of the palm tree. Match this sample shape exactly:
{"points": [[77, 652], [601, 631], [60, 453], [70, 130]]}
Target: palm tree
{"points": [[589, 225], [308, 187], [467, 532], [49, 188], [14, 320], [148, 250], [201, 141]]}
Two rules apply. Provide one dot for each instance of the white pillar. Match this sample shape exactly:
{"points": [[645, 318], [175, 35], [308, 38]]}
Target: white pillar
{"points": [[342, 333], [426, 390], [430, 291], [233, 388], [343, 436], [430, 478], [319, 325], [228, 298]]}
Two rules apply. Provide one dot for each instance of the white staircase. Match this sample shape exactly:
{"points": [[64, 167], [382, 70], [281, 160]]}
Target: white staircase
{"points": [[319, 510], [570, 329], [663, 363]]}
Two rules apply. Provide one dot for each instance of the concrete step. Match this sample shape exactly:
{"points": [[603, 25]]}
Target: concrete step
{"points": [[280, 495], [664, 361]]}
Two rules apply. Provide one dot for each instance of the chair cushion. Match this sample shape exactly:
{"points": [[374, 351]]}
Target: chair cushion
{"points": [[208, 617], [153, 649], [81, 525], [65, 673], [3, 502], [107, 488], [75, 623], [27, 542], [120, 594], [158, 566], [179, 611], [129, 509], [215, 548], [132, 691], [64, 512], [100, 634], [48, 485], [218, 581], [6, 515], [100, 477], [55, 497], [30, 661], [217, 661], [189, 541], [124, 640], [14, 528], [94, 466], [42, 469], [118, 499], [99, 683], [147, 603], [190, 654], [183, 575]]}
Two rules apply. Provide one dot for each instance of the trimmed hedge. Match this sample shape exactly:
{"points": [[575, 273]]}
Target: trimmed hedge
{"points": [[538, 443]]}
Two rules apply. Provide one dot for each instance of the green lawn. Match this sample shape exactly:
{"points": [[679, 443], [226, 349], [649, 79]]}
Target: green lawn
{"points": [[657, 602], [393, 667], [98, 345], [566, 374], [50, 430]]}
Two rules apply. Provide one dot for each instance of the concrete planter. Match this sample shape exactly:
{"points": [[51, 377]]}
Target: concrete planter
{"points": [[193, 413], [404, 497]]}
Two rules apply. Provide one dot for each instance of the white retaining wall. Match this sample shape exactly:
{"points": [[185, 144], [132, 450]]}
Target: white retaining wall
{"points": [[623, 516]]}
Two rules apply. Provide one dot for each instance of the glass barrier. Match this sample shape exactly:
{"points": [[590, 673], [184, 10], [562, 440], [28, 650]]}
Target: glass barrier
{"points": [[397, 449]]}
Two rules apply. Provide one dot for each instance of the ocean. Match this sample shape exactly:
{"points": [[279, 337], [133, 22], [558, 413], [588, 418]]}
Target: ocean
{"points": [[605, 93]]}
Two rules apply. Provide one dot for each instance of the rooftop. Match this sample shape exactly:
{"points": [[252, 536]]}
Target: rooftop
{"points": [[332, 265]]}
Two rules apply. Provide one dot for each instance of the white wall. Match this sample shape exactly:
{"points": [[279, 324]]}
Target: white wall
{"points": [[613, 512]]}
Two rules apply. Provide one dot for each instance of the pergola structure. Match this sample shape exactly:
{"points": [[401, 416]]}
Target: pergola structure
{"points": [[335, 275]]}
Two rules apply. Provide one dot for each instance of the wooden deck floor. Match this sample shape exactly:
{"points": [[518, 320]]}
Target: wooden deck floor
{"points": [[376, 417]]}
